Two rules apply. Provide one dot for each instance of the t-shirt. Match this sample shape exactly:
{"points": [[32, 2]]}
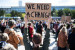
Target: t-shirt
{"points": [[2, 28], [71, 40], [39, 29], [30, 31]]}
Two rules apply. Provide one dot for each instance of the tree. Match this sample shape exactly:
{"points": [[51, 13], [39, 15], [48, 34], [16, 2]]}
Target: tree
{"points": [[73, 13], [2, 12], [15, 13], [60, 12], [54, 12], [19, 14], [8, 15], [67, 12]]}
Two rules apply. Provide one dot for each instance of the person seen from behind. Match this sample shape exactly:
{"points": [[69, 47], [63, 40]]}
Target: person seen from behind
{"points": [[71, 39], [3, 44], [30, 31], [62, 39], [13, 38]]}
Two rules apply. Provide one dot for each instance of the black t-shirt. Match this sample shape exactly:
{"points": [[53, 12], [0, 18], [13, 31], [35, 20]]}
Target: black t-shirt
{"points": [[71, 40], [2, 28], [39, 29]]}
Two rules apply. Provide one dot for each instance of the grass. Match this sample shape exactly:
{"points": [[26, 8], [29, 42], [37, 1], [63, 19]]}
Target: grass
{"points": [[23, 15]]}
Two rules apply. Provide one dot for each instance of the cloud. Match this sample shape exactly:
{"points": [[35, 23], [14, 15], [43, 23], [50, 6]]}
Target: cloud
{"points": [[8, 2], [53, 2]]}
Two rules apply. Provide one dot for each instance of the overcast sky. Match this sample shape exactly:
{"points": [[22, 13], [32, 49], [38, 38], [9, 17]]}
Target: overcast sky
{"points": [[8, 3]]}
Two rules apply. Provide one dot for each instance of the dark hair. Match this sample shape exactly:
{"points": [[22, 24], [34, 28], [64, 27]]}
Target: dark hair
{"points": [[3, 37], [11, 23], [68, 26], [40, 22], [29, 24], [37, 38]]}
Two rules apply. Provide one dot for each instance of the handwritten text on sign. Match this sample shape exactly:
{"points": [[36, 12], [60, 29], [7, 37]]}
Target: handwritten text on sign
{"points": [[38, 11]]}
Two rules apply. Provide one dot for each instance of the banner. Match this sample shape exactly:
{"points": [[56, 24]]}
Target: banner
{"points": [[66, 19], [38, 11]]}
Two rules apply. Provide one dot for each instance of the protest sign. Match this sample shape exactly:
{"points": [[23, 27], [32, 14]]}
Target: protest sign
{"points": [[38, 11], [66, 18]]}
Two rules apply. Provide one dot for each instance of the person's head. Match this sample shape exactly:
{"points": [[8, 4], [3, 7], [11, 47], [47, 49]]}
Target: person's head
{"points": [[5, 46], [37, 38], [73, 29], [4, 37], [11, 23], [63, 30], [40, 22], [68, 26], [29, 24], [36, 41]]}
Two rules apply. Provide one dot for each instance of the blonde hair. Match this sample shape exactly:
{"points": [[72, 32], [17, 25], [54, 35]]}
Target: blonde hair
{"points": [[64, 29]]}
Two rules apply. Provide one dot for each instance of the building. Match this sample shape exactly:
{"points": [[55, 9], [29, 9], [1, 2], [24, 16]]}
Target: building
{"points": [[22, 9], [62, 7], [20, 3]]}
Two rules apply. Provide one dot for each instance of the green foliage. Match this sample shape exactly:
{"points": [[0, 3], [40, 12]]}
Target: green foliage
{"points": [[54, 12], [73, 14], [15, 13], [67, 12], [2, 12], [8, 15], [23, 15], [60, 12]]}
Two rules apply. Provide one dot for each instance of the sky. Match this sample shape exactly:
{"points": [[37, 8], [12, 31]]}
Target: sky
{"points": [[9, 3]]}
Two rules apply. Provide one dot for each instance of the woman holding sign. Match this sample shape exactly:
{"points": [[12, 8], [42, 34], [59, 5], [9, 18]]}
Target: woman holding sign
{"points": [[36, 37]]}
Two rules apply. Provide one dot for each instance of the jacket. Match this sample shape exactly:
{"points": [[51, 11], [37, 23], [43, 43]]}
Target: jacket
{"points": [[62, 40], [13, 38]]}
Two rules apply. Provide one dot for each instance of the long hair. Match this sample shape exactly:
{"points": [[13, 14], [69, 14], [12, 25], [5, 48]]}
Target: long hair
{"points": [[64, 30]]}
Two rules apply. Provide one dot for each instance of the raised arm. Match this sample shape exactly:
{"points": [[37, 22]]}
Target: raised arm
{"points": [[25, 36], [46, 41]]}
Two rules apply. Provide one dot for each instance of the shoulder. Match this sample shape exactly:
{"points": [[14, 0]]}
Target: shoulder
{"points": [[9, 47]]}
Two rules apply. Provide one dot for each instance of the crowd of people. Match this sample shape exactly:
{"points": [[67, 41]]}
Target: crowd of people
{"points": [[10, 39]]}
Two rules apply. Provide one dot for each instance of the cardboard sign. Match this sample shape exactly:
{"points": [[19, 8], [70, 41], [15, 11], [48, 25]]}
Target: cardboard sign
{"points": [[38, 11], [66, 18]]}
